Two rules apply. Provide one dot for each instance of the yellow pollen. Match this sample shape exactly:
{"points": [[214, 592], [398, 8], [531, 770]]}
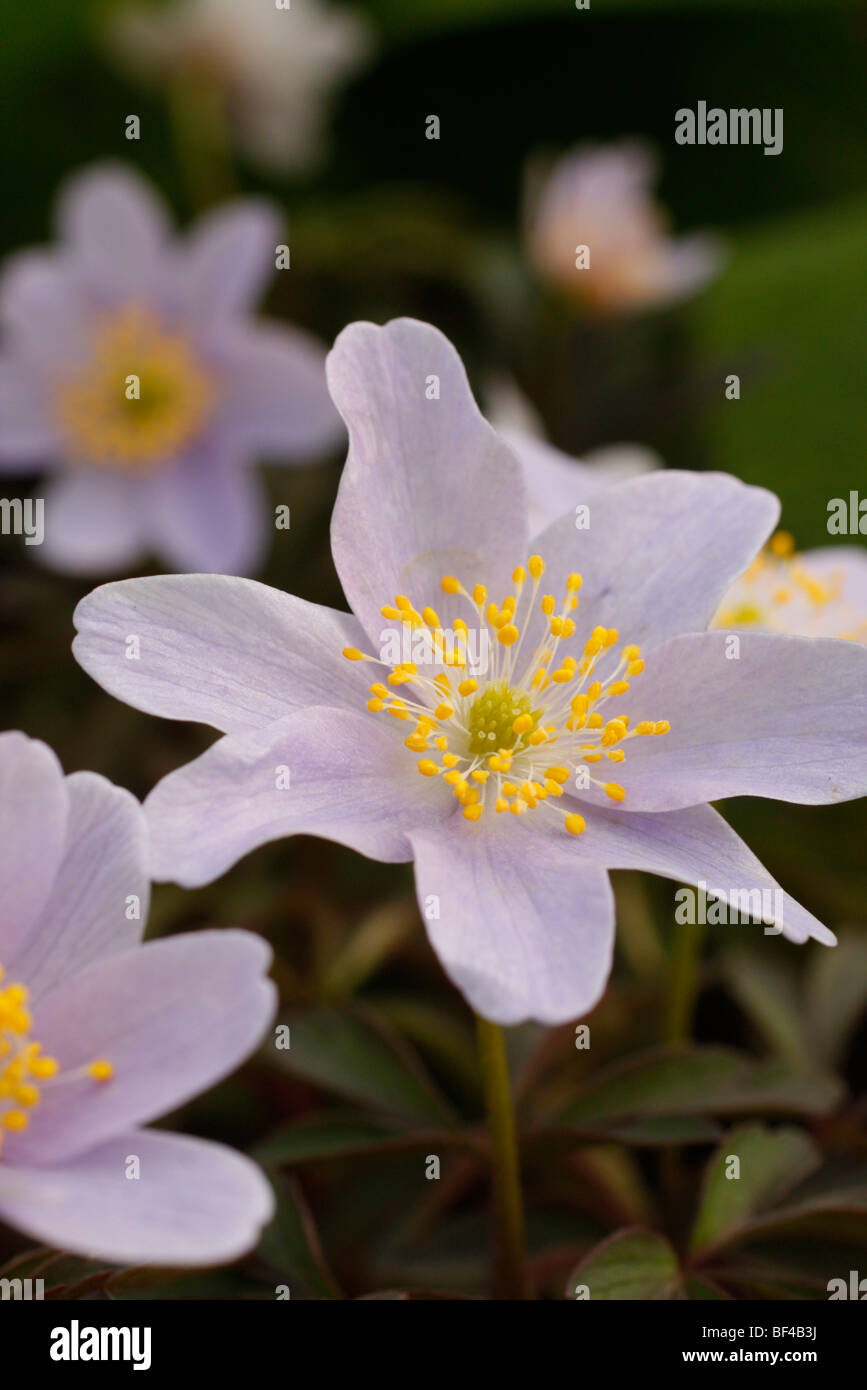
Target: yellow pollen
{"points": [[515, 714], [140, 396], [101, 1070]]}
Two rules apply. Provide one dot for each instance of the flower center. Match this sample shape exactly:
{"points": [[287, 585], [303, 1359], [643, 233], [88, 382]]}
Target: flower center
{"points": [[140, 397], [24, 1069], [502, 730], [778, 591]]}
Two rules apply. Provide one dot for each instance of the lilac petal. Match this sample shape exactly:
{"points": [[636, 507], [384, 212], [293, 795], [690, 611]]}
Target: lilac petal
{"points": [[659, 553], [694, 845], [34, 803], [557, 483], [44, 310], [172, 1017], [218, 650], [276, 400], [116, 228], [195, 1203], [428, 489], [100, 892], [28, 438], [93, 522], [229, 259], [784, 720], [524, 929], [350, 779], [208, 513]]}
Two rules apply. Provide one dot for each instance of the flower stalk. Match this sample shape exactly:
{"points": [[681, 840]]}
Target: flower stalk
{"points": [[510, 1260]]}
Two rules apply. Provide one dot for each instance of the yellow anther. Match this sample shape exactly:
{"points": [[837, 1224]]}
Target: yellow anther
{"points": [[479, 776], [431, 617], [635, 668], [522, 723], [518, 807], [403, 603], [538, 736], [615, 791], [519, 575], [574, 582], [559, 774], [568, 627], [444, 711], [611, 636], [428, 768], [416, 742], [450, 585], [510, 789], [782, 544], [557, 626], [594, 721], [617, 755], [101, 1070], [536, 566], [14, 1119], [480, 593], [26, 1094], [388, 612], [618, 688], [473, 812], [578, 704], [564, 674], [548, 605], [645, 726], [375, 706], [501, 804], [441, 743], [379, 689], [43, 1068], [353, 654], [575, 824], [661, 726], [452, 777], [593, 692], [508, 635], [631, 653], [502, 618], [553, 788], [592, 757], [468, 687]]}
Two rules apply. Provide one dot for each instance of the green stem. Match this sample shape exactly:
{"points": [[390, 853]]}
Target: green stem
{"points": [[684, 979], [202, 142], [510, 1260]]}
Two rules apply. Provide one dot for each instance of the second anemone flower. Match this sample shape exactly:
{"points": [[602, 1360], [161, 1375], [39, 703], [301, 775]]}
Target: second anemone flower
{"points": [[132, 365], [517, 716]]}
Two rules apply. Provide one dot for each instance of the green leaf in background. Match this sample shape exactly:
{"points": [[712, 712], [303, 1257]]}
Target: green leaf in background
{"points": [[701, 1081], [339, 1134], [835, 996], [767, 988], [356, 1055], [772, 1162], [629, 1265], [801, 419], [291, 1247]]}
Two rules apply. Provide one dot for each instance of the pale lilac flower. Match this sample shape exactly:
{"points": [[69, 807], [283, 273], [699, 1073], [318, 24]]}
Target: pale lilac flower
{"points": [[99, 1034], [276, 69], [120, 298], [484, 787], [817, 593], [600, 197], [555, 481]]}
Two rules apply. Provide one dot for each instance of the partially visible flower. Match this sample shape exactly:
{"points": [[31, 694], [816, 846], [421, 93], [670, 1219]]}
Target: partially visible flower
{"points": [[275, 69], [600, 197], [555, 481], [539, 711], [99, 1034], [818, 593], [133, 367]]}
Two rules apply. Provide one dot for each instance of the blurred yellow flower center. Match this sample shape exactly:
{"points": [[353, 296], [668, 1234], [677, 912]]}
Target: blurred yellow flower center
{"points": [[138, 399], [508, 729], [24, 1068], [780, 593]]}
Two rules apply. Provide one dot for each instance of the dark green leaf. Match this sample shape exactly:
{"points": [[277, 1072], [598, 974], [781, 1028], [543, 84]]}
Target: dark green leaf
{"points": [[628, 1266], [770, 1164], [291, 1246]]}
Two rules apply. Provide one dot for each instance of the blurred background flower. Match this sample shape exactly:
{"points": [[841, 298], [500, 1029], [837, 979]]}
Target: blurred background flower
{"points": [[272, 68], [599, 198]]}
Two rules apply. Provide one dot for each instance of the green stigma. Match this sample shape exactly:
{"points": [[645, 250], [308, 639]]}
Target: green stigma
{"points": [[492, 715]]}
